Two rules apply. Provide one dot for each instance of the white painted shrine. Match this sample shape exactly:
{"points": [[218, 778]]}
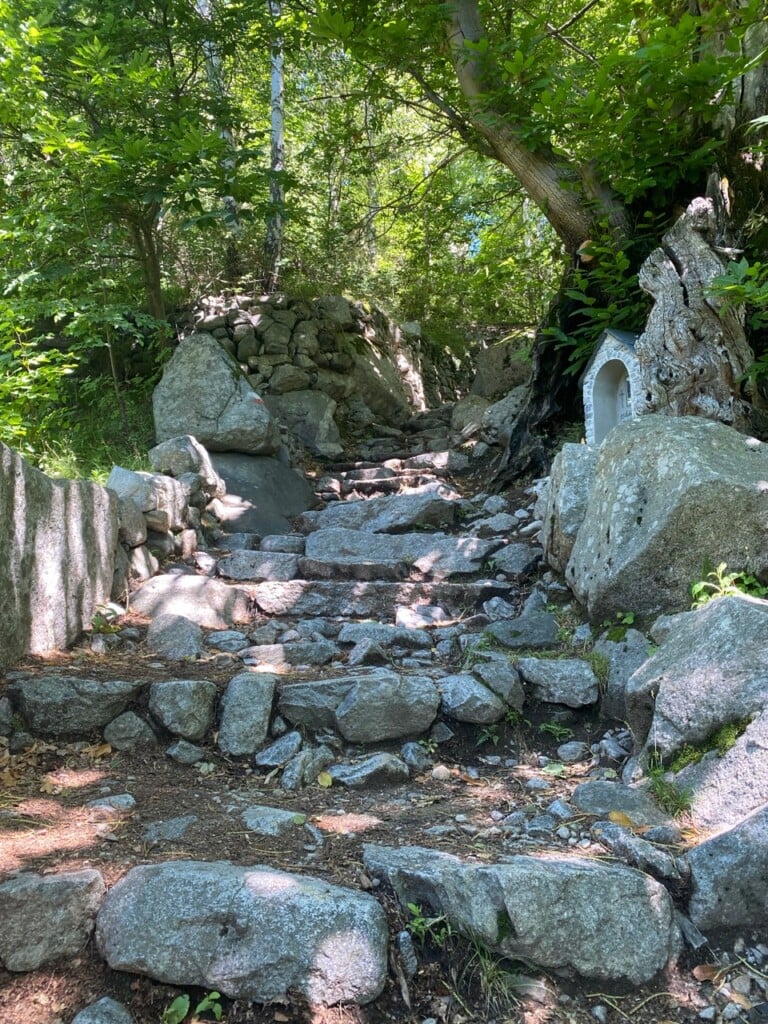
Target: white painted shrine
{"points": [[611, 384]]}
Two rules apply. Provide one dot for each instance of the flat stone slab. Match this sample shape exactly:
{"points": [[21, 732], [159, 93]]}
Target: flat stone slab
{"points": [[601, 798], [271, 821], [247, 932], [307, 598], [58, 705], [269, 492], [434, 506], [210, 603], [259, 565], [568, 681], [345, 551]]}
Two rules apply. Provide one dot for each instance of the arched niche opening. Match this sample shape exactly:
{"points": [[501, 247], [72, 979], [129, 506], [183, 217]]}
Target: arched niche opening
{"points": [[611, 398]]}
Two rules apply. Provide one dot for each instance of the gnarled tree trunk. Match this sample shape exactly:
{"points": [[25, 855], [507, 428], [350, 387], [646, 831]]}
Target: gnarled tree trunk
{"points": [[693, 352]]}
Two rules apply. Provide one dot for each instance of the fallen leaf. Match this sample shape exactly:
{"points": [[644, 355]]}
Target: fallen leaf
{"points": [[620, 818], [97, 750], [46, 786], [299, 819], [325, 780], [741, 1000], [707, 972]]}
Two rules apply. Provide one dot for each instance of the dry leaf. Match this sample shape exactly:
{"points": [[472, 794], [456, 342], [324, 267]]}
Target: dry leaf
{"points": [[97, 750], [741, 1000], [325, 780], [46, 786], [8, 779], [707, 972], [620, 818]]}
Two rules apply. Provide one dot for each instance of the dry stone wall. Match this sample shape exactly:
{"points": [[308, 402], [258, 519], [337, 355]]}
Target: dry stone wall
{"points": [[57, 555]]}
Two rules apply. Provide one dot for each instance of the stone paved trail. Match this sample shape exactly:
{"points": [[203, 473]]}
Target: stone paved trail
{"points": [[392, 706]]}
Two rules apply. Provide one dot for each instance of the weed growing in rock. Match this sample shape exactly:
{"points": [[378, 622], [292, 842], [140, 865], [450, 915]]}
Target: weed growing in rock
{"points": [[559, 733], [720, 583], [435, 930], [489, 734], [721, 741], [617, 629], [601, 666], [668, 796], [177, 1011]]}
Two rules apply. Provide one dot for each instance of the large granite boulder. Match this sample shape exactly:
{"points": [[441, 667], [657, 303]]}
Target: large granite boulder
{"points": [[570, 480], [310, 416], [670, 495], [57, 557], [203, 392], [248, 932], [604, 921]]}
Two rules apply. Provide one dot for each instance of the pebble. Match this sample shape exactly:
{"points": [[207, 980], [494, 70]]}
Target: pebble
{"points": [[731, 1011], [441, 772], [536, 785], [708, 1013], [600, 1013]]}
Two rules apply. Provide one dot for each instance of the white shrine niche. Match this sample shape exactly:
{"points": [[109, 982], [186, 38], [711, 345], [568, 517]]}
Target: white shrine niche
{"points": [[611, 385]]}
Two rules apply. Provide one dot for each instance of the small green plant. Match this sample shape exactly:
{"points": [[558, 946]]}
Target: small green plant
{"points": [[429, 745], [104, 619], [559, 733], [435, 930], [555, 768], [720, 583], [668, 796], [617, 628], [514, 718], [601, 666], [178, 1010], [489, 734], [720, 741]]}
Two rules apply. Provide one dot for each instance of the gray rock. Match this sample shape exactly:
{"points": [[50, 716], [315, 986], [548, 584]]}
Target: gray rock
{"points": [[543, 911], [415, 756], [467, 700], [132, 526], [129, 485], [103, 1011], [246, 707], [238, 542], [636, 851], [568, 681], [367, 652], [367, 600], [142, 565], [601, 798], [337, 551], [385, 635], [170, 499], [303, 769], [572, 752], [271, 821], [185, 753], [210, 603], [259, 565], [379, 769], [728, 875], [47, 917], [723, 788], [57, 557], [499, 417], [290, 543], [280, 752], [262, 494], [467, 415], [6, 717], [414, 619], [309, 415], [625, 657], [501, 368], [129, 730], [181, 455], [185, 707], [517, 559], [709, 672], [288, 378], [231, 640], [536, 630], [571, 477], [170, 831], [644, 538], [299, 652], [498, 674], [393, 513], [108, 808], [366, 707], [58, 705], [202, 392], [175, 637]]}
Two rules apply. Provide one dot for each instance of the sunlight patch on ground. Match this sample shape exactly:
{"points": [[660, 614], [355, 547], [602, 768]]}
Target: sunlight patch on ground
{"points": [[346, 824]]}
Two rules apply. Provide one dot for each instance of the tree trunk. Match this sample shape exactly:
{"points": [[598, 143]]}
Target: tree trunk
{"points": [[694, 352], [572, 198], [273, 243], [145, 243]]}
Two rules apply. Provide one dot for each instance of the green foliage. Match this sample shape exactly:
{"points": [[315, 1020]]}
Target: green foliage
{"points": [[721, 741], [434, 930], [488, 734], [559, 733], [746, 285], [617, 629], [720, 583], [177, 1011], [601, 666], [668, 796]]}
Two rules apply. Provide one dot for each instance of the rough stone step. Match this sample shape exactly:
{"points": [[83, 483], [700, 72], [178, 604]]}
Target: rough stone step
{"points": [[376, 600]]}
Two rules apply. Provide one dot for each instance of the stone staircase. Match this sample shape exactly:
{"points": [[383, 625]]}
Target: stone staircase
{"points": [[396, 666]]}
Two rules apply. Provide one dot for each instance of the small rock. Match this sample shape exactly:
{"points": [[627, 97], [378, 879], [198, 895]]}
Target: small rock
{"points": [[442, 773]]}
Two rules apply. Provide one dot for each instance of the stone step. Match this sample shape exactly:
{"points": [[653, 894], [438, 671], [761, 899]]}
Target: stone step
{"points": [[372, 600]]}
